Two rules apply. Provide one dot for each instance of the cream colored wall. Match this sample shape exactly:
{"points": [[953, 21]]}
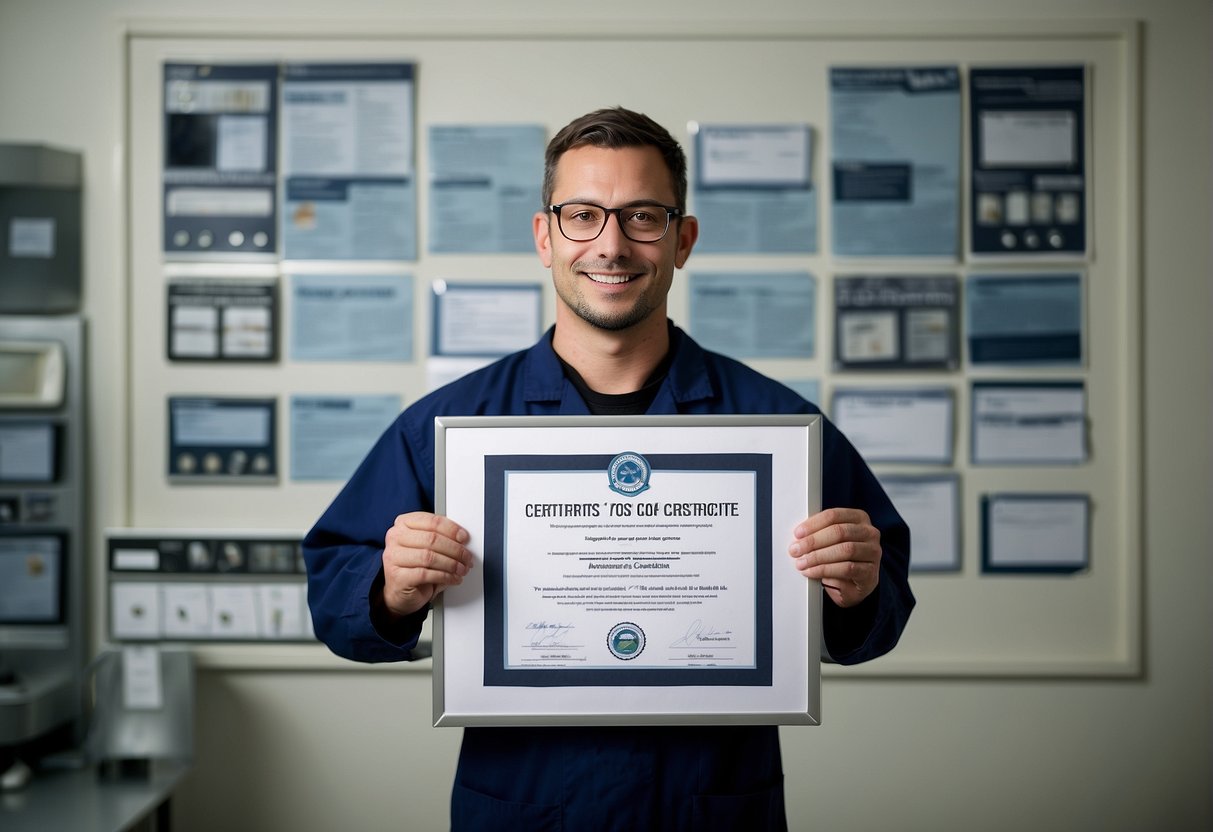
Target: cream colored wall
{"points": [[322, 750]]}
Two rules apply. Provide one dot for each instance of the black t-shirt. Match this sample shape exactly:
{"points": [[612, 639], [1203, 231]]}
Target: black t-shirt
{"points": [[621, 404]]}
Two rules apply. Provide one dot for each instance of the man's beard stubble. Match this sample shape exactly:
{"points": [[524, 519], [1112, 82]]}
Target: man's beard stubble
{"points": [[605, 319]]}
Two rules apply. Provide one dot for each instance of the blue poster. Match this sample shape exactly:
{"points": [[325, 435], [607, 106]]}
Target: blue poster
{"points": [[366, 317], [331, 434], [485, 185], [752, 315], [754, 191], [895, 161], [1024, 319], [349, 184]]}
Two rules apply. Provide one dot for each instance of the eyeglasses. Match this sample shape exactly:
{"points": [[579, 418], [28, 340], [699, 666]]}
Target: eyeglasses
{"points": [[581, 222]]}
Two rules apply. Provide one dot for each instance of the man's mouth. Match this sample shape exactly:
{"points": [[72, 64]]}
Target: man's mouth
{"points": [[609, 278]]}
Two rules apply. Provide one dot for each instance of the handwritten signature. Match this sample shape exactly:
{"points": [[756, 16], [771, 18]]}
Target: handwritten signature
{"points": [[547, 634], [699, 633]]}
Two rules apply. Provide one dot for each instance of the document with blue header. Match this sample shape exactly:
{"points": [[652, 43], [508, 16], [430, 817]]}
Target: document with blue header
{"points": [[350, 190], [365, 317], [485, 319], [484, 187], [1024, 318], [753, 188], [331, 434], [1024, 423], [895, 160]]}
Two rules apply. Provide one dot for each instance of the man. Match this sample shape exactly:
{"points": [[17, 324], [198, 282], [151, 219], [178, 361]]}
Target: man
{"points": [[613, 231]]}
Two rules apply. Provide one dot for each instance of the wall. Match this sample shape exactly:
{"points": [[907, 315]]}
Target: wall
{"points": [[915, 753]]}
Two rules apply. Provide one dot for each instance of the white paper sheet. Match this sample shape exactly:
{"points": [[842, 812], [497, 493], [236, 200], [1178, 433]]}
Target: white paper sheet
{"points": [[1018, 424], [897, 425]]}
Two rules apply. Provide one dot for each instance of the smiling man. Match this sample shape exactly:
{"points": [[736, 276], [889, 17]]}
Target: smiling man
{"points": [[613, 229], [612, 267]]}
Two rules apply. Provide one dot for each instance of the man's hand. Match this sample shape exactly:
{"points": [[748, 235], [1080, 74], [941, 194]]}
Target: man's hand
{"points": [[841, 548], [423, 554]]}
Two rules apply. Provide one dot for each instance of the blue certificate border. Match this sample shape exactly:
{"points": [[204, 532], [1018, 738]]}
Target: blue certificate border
{"points": [[496, 673]]}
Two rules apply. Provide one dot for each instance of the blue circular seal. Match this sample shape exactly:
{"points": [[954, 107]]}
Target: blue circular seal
{"points": [[625, 641], [629, 474]]}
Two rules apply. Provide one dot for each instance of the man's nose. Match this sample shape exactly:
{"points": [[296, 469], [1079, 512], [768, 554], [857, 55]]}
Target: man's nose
{"points": [[612, 237]]}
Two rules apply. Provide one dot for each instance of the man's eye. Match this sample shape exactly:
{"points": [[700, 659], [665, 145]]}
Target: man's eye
{"points": [[583, 216]]}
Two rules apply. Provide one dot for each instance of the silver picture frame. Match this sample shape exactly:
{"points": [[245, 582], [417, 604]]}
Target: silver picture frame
{"points": [[598, 540]]}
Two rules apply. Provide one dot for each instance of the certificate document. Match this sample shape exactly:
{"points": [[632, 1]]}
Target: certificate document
{"points": [[631, 567], [629, 570]]}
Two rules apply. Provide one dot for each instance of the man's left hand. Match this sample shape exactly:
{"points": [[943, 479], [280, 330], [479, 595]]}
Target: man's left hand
{"points": [[841, 548]]}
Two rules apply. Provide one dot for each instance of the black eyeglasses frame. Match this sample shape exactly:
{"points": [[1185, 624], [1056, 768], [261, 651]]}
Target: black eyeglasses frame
{"points": [[670, 211]]}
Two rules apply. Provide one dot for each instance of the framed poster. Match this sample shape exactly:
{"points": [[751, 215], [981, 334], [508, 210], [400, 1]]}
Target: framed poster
{"points": [[631, 570], [213, 319], [1028, 130], [220, 154]]}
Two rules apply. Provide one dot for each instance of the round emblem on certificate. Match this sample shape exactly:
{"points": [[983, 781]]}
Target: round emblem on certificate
{"points": [[629, 473], [625, 641]]}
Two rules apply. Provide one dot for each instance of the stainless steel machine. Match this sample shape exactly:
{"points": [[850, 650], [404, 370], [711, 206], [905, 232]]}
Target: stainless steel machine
{"points": [[43, 482]]}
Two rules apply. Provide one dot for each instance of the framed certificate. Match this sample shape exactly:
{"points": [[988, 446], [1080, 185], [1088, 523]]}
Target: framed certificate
{"points": [[629, 570]]}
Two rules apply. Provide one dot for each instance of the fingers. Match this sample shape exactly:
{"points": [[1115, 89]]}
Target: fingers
{"points": [[428, 541], [835, 536], [841, 548], [832, 517], [423, 554]]}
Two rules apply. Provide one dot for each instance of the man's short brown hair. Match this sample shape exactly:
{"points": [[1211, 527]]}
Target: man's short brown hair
{"points": [[616, 127]]}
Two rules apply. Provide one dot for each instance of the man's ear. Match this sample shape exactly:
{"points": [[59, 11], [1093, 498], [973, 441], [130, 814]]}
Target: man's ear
{"points": [[542, 228], [688, 233]]}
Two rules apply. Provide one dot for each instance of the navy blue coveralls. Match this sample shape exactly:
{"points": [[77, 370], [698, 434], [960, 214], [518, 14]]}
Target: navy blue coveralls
{"points": [[593, 778]]}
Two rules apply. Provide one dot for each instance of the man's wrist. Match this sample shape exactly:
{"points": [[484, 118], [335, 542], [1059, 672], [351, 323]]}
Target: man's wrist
{"points": [[395, 627], [848, 629]]}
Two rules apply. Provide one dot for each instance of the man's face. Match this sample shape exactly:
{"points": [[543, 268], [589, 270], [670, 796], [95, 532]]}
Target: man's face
{"points": [[612, 282]]}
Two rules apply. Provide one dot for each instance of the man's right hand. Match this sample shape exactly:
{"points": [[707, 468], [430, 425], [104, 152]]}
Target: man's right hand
{"points": [[423, 554]]}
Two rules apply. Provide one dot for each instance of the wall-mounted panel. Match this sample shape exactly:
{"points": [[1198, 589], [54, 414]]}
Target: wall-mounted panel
{"points": [[968, 621]]}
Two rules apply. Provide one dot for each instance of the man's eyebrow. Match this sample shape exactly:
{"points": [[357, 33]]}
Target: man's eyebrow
{"points": [[629, 204]]}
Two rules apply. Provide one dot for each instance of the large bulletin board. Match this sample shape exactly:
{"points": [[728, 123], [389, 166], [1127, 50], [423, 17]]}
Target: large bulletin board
{"points": [[969, 621]]}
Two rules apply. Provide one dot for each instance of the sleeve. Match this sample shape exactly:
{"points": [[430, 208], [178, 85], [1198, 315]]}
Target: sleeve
{"points": [[872, 628], [344, 550]]}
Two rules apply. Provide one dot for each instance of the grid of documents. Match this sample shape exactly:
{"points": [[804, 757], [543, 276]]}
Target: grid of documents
{"points": [[913, 258]]}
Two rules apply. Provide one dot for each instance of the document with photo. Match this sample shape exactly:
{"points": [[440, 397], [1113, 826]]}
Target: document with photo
{"points": [[896, 322]]}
